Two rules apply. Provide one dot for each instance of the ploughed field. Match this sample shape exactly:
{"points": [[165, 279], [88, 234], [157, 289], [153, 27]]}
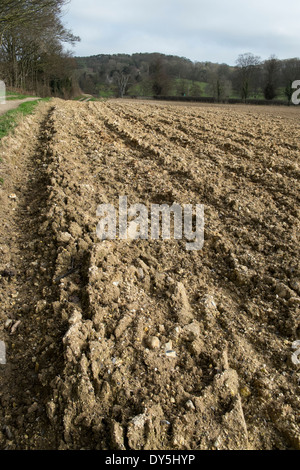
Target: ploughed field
{"points": [[143, 344]]}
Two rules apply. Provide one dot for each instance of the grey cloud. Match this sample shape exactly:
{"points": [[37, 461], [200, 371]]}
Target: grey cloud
{"points": [[211, 30]]}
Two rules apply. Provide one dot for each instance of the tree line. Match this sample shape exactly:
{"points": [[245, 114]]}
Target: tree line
{"points": [[164, 75], [32, 54]]}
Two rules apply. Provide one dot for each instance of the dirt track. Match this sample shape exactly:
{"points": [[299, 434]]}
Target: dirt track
{"points": [[88, 324], [14, 104]]}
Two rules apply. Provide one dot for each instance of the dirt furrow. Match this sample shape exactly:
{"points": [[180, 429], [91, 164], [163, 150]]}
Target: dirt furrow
{"points": [[28, 326]]}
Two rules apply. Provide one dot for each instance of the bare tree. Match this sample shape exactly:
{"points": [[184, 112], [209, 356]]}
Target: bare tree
{"points": [[218, 84], [270, 72], [247, 65], [161, 82], [121, 78]]}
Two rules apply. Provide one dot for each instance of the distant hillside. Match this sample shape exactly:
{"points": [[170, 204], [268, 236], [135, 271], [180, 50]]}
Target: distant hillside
{"points": [[146, 74], [156, 74]]}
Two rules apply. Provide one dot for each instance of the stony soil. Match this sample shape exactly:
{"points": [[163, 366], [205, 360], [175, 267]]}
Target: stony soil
{"points": [[89, 325]]}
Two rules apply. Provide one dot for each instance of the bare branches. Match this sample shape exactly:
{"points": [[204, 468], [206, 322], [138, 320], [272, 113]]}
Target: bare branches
{"points": [[121, 77], [31, 41], [13, 12], [247, 64]]}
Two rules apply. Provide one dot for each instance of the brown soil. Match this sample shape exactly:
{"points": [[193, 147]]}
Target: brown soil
{"points": [[87, 323]]}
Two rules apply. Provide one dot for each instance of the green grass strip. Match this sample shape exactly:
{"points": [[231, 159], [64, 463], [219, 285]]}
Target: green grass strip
{"points": [[9, 120]]}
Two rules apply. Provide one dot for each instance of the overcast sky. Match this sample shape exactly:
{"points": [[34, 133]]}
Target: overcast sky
{"points": [[201, 30]]}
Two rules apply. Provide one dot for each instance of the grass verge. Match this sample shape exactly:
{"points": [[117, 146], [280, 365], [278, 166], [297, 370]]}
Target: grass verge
{"points": [[10, 120]]}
